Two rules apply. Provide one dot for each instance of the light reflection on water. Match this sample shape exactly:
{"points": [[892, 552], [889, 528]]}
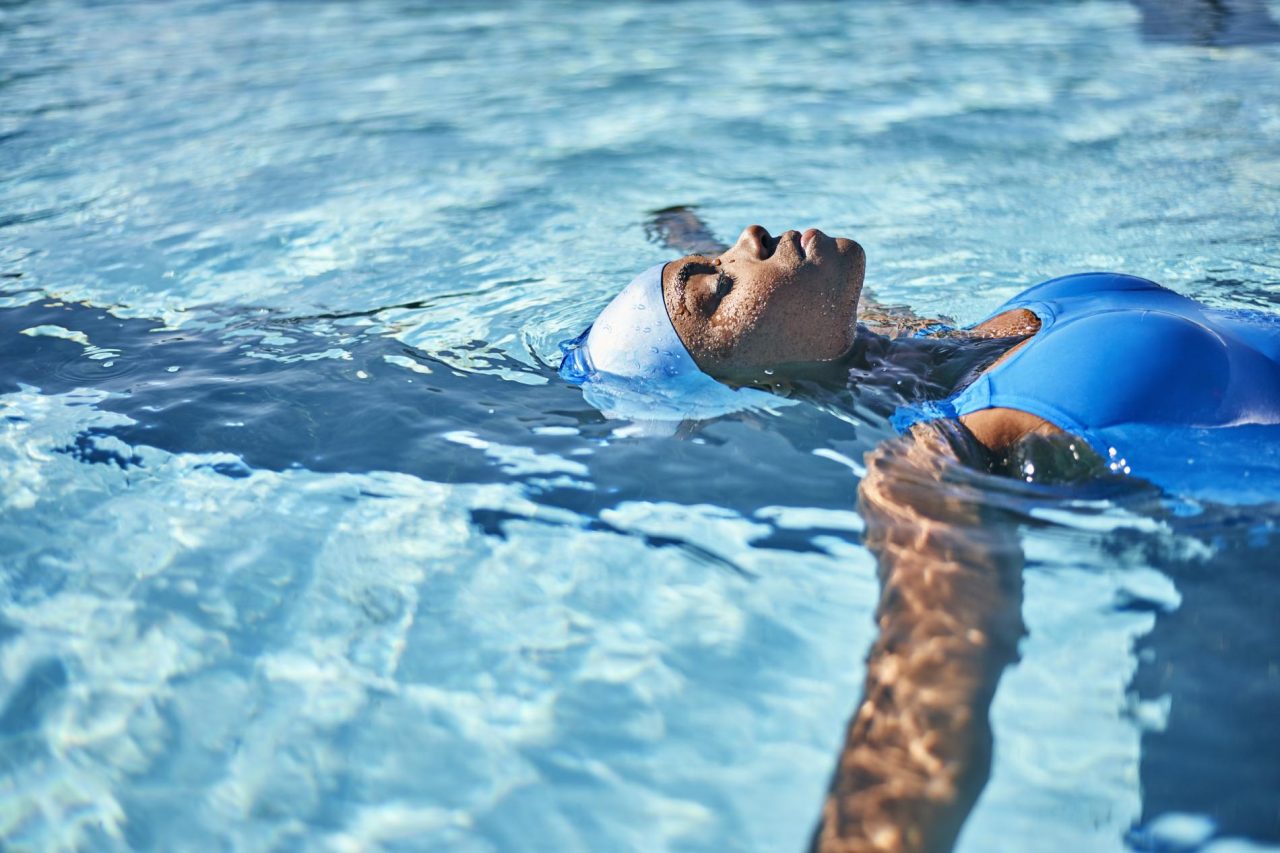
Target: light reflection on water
{"points": [[361, 570]]}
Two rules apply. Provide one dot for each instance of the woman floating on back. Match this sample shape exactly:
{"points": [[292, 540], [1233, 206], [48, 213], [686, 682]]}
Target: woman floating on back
{"points": [[1088, 376]]}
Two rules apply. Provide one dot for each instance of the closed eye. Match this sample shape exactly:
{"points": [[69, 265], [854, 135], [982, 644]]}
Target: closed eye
{"points": [[706, 284], [721, 286]]}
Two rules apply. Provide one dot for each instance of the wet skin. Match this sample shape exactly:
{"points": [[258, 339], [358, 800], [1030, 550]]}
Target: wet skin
{"points": [[768, 301], [917, 751]]}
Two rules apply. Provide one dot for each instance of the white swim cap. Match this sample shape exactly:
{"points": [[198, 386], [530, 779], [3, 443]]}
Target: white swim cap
{"points": [[632, 364]]}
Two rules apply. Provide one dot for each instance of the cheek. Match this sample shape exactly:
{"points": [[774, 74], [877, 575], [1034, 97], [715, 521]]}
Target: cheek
{"points": [[801, 329], [731, 331], [752, 333], [767, 325]]}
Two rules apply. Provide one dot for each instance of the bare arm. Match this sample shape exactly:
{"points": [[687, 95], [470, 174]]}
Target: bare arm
{"points": [[680, 228], [918, 749]]}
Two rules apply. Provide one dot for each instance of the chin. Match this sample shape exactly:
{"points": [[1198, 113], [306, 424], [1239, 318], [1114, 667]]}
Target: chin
{"points": [[849, 246]]}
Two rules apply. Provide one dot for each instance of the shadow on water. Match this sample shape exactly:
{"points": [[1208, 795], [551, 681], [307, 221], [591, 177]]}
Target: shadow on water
{"points": [[279, 393], [1213, 662], [1208, 23]]}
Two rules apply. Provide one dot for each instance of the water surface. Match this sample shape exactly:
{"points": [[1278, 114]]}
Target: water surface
{"points": [[302, 544]]}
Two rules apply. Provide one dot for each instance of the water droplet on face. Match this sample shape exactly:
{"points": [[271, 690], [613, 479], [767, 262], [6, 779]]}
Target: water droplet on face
{"points": [[768, 371]]}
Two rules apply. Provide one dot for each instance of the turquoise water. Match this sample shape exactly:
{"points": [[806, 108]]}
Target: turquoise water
{"points": [[303, 545]]}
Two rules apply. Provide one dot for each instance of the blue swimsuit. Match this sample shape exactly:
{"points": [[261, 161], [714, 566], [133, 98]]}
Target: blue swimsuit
{"points": [[1159, 385]]}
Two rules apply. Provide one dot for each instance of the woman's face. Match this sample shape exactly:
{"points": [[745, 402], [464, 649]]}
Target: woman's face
{"points": [[767, 300]]}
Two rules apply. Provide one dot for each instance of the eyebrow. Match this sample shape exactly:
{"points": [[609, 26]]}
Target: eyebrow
{"points": [[685, 271], [682, 280]]}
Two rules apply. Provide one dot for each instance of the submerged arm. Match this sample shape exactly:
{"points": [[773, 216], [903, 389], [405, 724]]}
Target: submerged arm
{"points": [[918, 749], [681, 229]]}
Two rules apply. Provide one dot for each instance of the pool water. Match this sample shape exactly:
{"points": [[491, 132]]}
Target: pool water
{"points": [[304, 545]]}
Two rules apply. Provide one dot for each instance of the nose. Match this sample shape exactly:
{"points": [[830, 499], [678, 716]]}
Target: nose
{"points": [[756, 240]]}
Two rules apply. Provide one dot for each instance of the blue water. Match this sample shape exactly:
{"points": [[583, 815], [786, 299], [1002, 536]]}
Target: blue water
{"points": [[302, 545]]}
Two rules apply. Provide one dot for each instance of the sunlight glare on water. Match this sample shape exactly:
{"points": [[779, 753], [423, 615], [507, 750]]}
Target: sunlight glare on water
{"points": [[272, 577]]}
